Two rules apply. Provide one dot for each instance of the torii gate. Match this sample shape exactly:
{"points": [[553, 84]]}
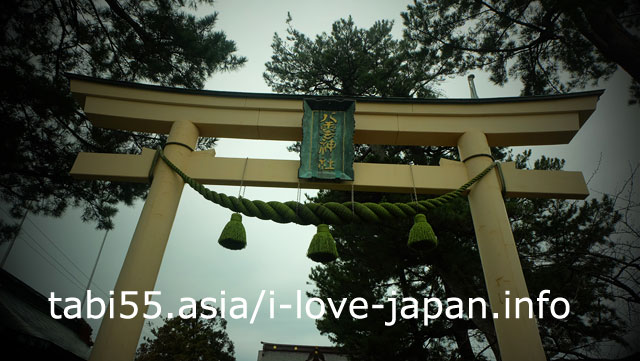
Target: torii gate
{"points": [[473, 125]]}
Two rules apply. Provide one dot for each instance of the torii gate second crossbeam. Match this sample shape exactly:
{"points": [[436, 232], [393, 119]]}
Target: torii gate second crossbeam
{"points": [[473, 125]]}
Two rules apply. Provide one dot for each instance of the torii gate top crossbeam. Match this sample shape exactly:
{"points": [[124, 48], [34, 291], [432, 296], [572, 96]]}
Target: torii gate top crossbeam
{"points": [[538, 120]]}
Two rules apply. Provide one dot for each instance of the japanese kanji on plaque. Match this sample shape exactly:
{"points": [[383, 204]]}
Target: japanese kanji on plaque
{"points": [[327, 140]]}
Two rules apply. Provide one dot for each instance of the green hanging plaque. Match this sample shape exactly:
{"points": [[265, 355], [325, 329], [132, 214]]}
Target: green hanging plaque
{"points": [[327, 140]]}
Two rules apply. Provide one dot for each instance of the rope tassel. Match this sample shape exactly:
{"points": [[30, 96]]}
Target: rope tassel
{"points": [[322, 247], [233, 235], [421, 235]]}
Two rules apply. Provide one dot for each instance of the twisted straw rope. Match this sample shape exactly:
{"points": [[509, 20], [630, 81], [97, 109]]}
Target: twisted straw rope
{"points": [[327, 213]]}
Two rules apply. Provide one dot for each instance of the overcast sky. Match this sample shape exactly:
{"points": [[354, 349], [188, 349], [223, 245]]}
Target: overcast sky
{"points": [[196, 266]]}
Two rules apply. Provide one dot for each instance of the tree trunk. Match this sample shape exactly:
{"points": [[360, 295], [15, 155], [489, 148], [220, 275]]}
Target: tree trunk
{"points": [[461, 335], [456, 284], [615, 42]]}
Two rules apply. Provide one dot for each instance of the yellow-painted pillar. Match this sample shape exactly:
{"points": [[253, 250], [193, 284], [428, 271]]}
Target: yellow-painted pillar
{"points": [[118, 337], [518, 339]]}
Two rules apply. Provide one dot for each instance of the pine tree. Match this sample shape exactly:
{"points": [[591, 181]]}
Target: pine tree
{"points": [[552, 46], [193, 338], [43, 129], [562, 244]]}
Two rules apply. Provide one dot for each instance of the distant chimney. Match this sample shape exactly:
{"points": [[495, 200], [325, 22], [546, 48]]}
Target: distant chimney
{"points": [[472, 87]]}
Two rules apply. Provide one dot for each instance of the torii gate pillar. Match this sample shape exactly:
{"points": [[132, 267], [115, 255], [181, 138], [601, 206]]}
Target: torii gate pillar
{"points": [[118, 337], [518, 338]]}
